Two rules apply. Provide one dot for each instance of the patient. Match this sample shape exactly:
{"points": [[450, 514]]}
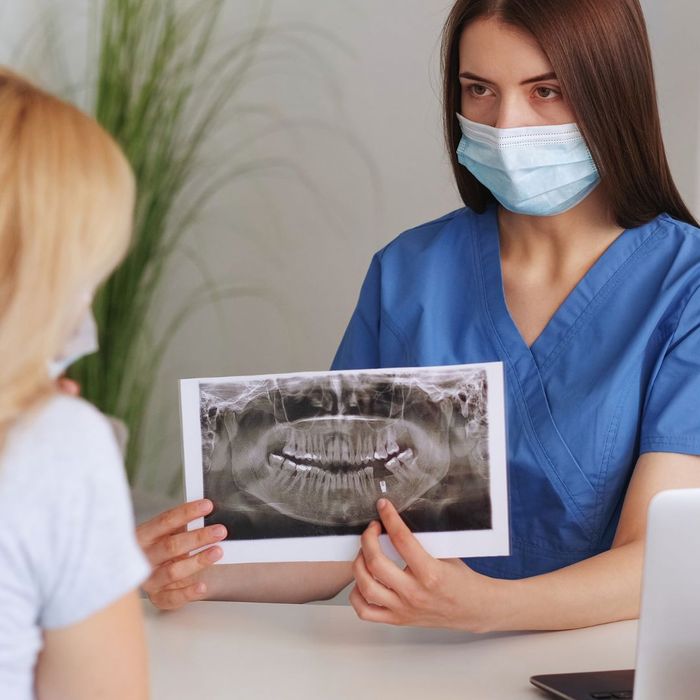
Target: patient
{"points": [[70, 620]]}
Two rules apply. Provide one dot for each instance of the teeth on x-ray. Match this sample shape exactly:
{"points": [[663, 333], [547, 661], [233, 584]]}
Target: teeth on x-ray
{"points": [[324, 449]]}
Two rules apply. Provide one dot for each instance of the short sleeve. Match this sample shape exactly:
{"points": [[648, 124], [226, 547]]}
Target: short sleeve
{"points": [[95, 558], [671, 419], [359, 348]]}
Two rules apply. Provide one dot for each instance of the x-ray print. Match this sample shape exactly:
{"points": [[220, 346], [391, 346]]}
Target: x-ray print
{"points": [[295, 463]]}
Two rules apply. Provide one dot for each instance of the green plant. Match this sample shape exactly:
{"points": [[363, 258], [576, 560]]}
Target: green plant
{"points": [[160, 86], [161, 81]]}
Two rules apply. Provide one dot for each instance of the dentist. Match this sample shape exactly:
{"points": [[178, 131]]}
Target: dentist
{"points": [[574, 262]]}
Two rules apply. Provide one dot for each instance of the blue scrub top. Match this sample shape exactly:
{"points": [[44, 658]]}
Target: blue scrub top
{"points": [[614, 374]]}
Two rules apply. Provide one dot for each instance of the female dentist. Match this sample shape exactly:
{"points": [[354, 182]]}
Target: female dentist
{"points": [[575, 263]]}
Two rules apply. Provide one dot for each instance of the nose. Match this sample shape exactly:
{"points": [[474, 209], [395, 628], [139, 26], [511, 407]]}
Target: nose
{"points": [[512, 113]]}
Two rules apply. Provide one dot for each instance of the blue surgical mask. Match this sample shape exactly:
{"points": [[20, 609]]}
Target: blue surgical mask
{"points": [[533, 170]]}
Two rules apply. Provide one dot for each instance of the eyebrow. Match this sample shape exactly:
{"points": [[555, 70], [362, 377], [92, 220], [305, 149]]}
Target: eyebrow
{"points": [[536, 79]]}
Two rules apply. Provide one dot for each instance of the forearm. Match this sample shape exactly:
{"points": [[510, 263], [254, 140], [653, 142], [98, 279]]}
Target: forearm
{"points": [[291, 582], [604, 588]]}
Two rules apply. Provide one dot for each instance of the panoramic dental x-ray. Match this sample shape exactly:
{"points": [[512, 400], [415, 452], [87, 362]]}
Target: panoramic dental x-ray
{"points": [[309, 454]]}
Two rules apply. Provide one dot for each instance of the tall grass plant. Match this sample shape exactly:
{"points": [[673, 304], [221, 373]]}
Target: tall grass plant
{"points": [[161, 84]]}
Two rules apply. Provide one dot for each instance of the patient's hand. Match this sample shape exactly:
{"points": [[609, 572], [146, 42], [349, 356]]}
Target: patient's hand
{"points": [[176, 577]]}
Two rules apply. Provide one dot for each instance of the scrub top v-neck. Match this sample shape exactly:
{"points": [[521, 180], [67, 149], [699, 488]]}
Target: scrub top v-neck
{"points": [[614, 373]]}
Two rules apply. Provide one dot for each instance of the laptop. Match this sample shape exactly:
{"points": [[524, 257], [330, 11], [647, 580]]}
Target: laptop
{"points": [[668, 642]]}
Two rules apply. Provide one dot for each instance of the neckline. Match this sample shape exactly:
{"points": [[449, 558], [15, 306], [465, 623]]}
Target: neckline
{"points": [[571, 308]]}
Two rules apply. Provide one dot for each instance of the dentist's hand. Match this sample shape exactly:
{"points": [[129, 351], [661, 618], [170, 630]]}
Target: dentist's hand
{"points": [[175, 579], [429, 592]]}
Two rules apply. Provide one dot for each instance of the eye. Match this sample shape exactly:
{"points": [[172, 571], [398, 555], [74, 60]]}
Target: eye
{"points": [[547, 93], [478, 90]]}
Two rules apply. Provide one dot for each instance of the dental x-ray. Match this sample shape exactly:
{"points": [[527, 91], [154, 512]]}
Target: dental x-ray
{"points": [[295, 463]]}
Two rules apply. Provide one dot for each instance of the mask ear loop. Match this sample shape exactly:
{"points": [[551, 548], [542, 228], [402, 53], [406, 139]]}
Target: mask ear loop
{"points": [[83, 341]]}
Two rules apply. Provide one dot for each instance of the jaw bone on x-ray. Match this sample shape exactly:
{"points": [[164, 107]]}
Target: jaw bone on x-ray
{"points": [[310, 454]]}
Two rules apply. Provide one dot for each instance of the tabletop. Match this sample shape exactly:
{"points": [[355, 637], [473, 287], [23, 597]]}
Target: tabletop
{"points": [[215, 650]]}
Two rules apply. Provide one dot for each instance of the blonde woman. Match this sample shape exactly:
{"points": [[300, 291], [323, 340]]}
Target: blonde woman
{"points": [[70, 622]]}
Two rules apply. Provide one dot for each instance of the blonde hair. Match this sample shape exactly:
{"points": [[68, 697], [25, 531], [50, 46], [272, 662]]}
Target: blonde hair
{"points": [[66, 204]]}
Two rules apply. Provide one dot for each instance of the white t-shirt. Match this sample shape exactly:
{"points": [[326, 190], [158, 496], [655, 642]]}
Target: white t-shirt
{"points": [[67, 539]]}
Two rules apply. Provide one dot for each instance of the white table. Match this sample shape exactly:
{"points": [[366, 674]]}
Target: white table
{"points": [[238, 651]]}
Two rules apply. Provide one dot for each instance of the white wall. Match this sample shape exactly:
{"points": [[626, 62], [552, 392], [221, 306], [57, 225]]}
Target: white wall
{"points": [[673, 26], [362, 123], [359, 117]]}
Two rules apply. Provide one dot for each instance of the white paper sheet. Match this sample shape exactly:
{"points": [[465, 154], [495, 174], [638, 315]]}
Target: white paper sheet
{"points": [[295, 463]]}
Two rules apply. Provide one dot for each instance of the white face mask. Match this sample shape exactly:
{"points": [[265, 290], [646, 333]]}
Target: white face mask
{"points": [[83, 342]]}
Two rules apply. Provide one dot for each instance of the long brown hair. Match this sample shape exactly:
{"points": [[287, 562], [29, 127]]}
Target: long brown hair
{"points": [[600, 51]]}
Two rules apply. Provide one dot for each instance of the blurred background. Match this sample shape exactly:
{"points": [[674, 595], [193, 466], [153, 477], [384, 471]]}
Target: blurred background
{"points": [[324, 144]]}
